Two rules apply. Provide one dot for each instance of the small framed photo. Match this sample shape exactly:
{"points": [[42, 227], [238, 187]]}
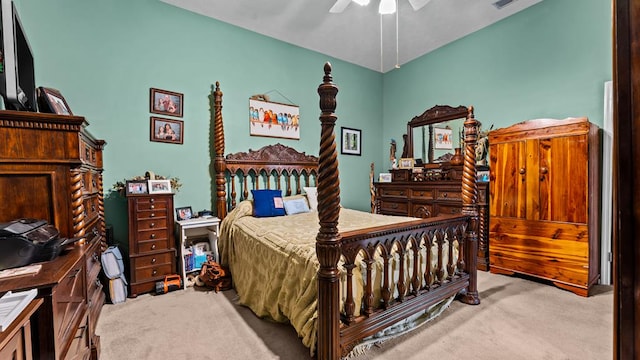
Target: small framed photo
{"points": [[184, 213], [351, 141], [482, 176], [443, 138], [51, 101], [166, 130], [166, 102], [159, 186], [384, 177], [405, 163], [136, 187]]}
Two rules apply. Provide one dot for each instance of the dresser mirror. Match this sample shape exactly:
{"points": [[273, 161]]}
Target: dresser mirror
{"points": [[435, 133]]}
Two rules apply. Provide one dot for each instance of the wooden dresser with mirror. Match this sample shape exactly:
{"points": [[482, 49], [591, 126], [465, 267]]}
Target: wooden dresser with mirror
{"points": [[435, 187]]}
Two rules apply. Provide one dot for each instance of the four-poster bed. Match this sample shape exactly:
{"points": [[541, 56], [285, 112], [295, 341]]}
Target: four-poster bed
{"points": [[368, 275]]}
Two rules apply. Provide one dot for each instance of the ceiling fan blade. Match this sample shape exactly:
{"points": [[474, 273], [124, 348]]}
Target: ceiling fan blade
{"points": [[418, 4], [339, 6]]}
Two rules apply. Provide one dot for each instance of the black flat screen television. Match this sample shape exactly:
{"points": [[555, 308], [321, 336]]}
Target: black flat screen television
{"points": [[17, 74]]}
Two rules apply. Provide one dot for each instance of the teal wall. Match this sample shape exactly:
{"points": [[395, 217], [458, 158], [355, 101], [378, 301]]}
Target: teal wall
{"points": [[550, 60], [104, 56]]}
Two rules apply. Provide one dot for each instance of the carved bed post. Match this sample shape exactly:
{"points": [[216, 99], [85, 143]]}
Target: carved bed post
{"points": [[219, 164], [470, 207], [328, 239]]}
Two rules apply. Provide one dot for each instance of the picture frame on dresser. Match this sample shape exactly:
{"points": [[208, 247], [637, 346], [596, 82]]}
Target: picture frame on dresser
{"points": [[184, 213], [136, 187], [405, 163], [159, 186], [51, 101]]}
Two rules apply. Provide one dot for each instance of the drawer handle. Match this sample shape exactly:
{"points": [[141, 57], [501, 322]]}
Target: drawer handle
{"points": [[82, 329], [152, 200], [444, 194], [153, 247], [154, 272], [152, 224], [153, 236], [153, 261], [402, 193], [421, 193], [74, 274], [394, 206], [98, 284], [94, 257], [153, 215], [152, 206]]}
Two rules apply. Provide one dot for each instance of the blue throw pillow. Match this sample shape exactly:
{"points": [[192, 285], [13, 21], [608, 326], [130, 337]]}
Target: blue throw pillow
{"points": [[296, 206], [267, 203]]}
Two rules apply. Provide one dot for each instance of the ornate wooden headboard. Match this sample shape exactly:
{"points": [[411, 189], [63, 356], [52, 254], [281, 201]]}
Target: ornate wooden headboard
{"points": [[271, 167]]}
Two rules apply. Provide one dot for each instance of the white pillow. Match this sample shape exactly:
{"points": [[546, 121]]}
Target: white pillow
{"points": [[312, 197], [296, 206]]}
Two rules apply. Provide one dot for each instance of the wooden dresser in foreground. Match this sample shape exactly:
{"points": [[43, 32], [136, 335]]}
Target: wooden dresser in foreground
{"points": [[432, 198], [152, 245], [545, 201], [51, 169]]}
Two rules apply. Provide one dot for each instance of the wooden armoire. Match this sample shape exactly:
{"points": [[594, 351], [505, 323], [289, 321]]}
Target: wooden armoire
{"points": [[51, 169], [545, 201]]}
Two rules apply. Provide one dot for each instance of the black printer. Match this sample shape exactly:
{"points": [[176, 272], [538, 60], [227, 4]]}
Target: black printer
{"points": [[27, 241]]}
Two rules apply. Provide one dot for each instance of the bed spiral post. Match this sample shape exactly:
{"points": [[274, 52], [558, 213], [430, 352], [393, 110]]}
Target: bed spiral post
{"points": [[470, 207], [219, 163], [328, 239]]}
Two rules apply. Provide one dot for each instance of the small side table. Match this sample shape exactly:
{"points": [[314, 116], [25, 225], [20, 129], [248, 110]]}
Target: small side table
{"points": [[197, 228]]}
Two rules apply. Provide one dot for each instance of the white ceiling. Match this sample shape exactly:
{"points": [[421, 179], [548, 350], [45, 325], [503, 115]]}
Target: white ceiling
{"points": [[354, 34]]}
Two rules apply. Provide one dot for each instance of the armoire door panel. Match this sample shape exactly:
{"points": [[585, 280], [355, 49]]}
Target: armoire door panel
{"points": [[508, 169], [563, 176]]}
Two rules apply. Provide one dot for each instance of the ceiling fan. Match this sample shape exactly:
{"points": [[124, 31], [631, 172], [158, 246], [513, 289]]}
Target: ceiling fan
{"points": [[386, 6]]}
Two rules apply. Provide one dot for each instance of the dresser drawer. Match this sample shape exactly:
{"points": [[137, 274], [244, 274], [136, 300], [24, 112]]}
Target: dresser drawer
{"points": [[394, 207], [153, 260], [395, 192], [152, 214], [153, 245], [449, 209], [90, 181], [421, 194], [151, 224], [453, 195], [91, 206], [80, 345], [421, 210], [152, 203], [68, 301], [153, 272], [88, 154]]}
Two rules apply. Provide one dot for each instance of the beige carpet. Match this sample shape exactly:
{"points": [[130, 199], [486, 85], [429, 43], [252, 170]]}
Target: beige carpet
{"points": [[517, 319]]}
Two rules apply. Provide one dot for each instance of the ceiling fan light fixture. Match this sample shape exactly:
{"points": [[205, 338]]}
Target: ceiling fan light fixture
{"points": [[387, 7], [361, 2]]}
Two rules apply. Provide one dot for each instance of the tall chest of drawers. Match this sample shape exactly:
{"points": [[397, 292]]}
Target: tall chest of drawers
{"points": [[152, 247]]}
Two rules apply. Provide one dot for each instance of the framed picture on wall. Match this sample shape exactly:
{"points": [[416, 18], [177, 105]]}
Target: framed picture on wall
{"points": [[351, 141], [274, 119], [165, 102], [166, 130]]}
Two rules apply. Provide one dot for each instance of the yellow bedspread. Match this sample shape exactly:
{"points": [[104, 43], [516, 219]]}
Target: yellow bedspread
{"points": [[273, 262]]}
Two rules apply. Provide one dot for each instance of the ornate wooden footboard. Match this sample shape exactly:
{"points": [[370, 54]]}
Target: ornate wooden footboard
{"points": [[438, 255]]}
